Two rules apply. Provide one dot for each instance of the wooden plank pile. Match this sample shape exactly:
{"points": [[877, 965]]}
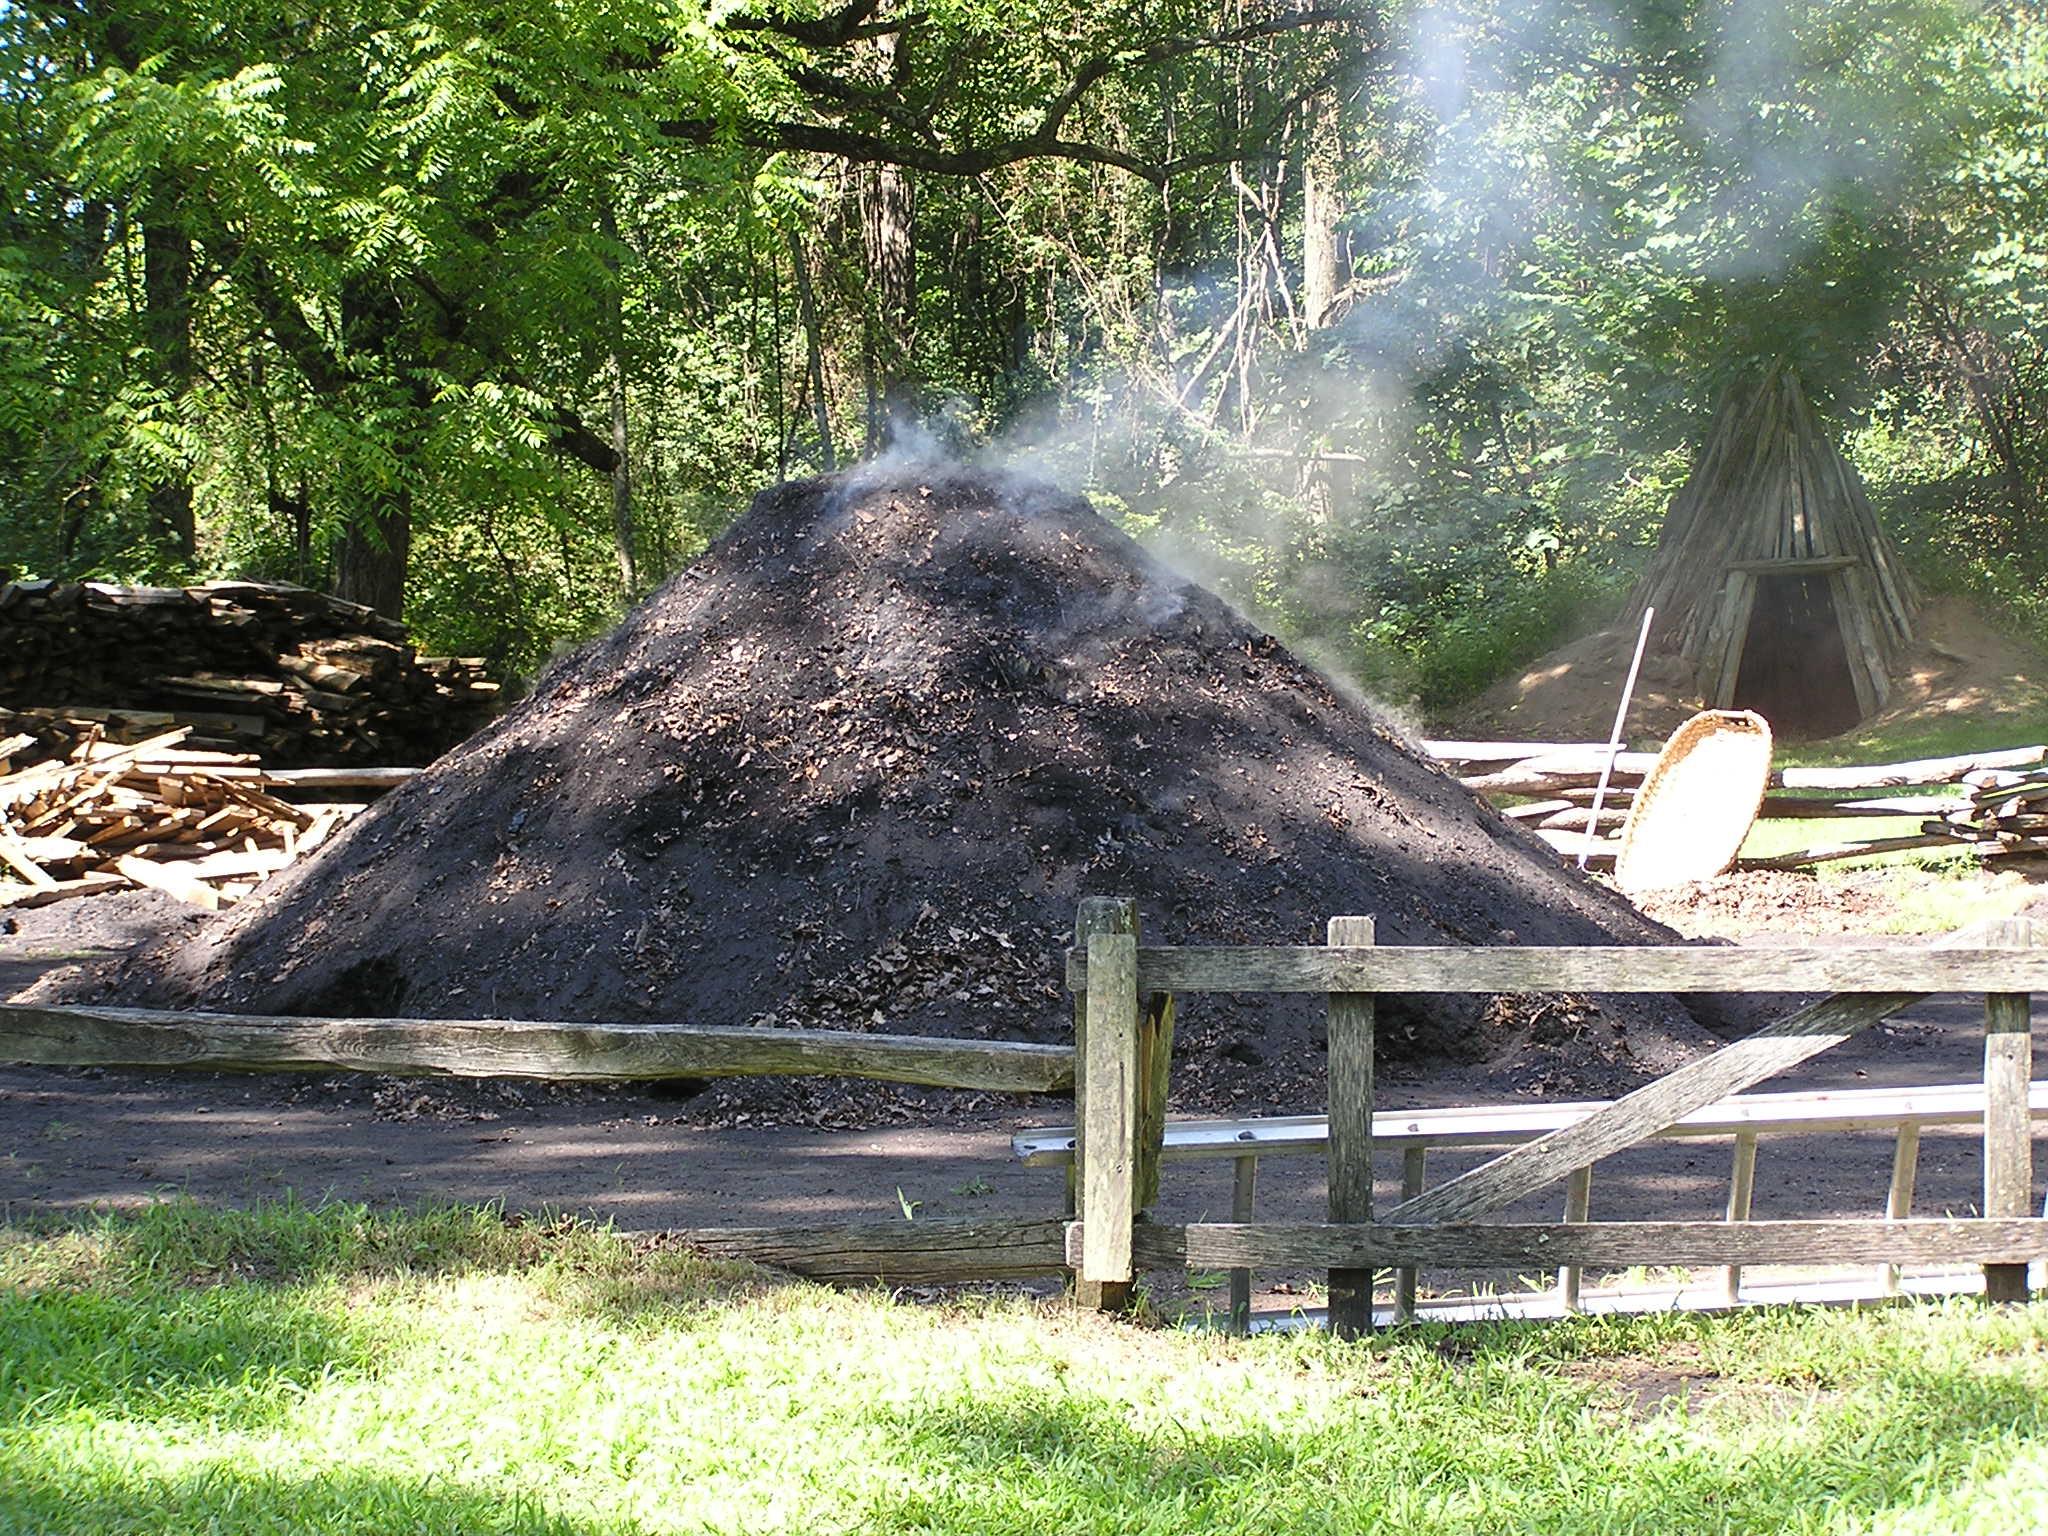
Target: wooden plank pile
{"points": [[2006, 817], [302, 677], [2001, 806], [199, 825]]}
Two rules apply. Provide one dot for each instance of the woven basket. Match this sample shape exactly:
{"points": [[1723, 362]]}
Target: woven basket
{"points": [[1698, 803]]}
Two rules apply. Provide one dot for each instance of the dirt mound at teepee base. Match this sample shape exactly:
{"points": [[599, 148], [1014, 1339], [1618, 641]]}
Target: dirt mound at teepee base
{"points": [[856, 767]]}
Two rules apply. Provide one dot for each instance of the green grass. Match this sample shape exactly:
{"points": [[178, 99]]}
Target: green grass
{"points": [[331, 1370], [2023, 724]]}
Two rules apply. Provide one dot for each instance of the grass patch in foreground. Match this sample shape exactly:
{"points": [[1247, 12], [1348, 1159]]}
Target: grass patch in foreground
{"points": [[333, 1370]]}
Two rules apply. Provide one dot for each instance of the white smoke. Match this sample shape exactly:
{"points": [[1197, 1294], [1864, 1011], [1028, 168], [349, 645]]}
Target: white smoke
{"points": [[1760, 138]]}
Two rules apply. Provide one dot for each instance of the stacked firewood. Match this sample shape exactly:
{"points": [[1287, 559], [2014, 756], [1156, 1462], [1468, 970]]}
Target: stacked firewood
{"points": [[2006, 817], [201, 825], [1551, 787], [297, 675]]}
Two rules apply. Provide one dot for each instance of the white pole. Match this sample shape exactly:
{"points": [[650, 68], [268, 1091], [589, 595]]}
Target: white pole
{"points": [[1614, 742]]}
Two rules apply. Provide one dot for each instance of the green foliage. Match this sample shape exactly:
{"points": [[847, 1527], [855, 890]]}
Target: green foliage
{"points": [[426, 250]]}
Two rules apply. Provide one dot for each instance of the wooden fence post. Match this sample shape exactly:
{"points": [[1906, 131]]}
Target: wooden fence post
{"points": [[1097, 914], [2008, 1126], [1351, 1040], [1107, 1091]]}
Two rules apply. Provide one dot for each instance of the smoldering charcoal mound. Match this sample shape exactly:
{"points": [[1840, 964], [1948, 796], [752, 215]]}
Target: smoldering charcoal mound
{"points": [[856, 767]]}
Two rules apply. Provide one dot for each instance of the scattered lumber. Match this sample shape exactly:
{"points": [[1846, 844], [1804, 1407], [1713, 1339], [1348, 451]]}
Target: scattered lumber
{"points": [[305, 678], [2006, 816], [2002, 812], [194, 823]]}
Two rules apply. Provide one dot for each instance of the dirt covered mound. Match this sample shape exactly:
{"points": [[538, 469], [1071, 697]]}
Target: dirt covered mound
{"points": [[856, 767]]}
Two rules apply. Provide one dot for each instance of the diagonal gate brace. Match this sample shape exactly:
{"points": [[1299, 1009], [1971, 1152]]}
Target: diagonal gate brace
{"points": [[1533, 1166]]}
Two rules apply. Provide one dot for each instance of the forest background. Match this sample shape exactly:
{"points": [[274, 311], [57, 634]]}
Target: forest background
{"points": [[1397, 323]]}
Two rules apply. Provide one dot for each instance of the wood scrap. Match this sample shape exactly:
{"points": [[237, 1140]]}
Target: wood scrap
{"points": [[199, 825]]}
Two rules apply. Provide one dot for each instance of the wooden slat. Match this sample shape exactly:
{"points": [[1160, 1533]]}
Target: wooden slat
{"points": [[1530, 968], [1738, 604], [15, 855], [340, 778], [1817, 565], [1111, 1069], [897, 1252], [1629, 1119], [1930, 770], [134, 1037], [232, 863], [1605, 1245], [1155, 1077], [1554, 763], [46, 895], [1244, 1191], [1831, 853], [1506, 751], [1818, 807], [1350, 1152], [2008, 1129], [1414, 1174], [170, 879]]}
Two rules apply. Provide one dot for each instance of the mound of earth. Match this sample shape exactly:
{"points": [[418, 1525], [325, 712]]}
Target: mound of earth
{"points": [[856, 767], [1959, 665]]}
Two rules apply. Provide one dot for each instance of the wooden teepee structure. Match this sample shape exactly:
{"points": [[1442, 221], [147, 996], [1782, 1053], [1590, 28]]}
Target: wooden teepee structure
{"points": [[1772, 578]]}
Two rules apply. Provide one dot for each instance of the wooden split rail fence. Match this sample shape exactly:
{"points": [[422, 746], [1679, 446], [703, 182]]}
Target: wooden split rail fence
{"points": [[920, 1252], [1996, 802], [1120, 984], [1118, 1067]]}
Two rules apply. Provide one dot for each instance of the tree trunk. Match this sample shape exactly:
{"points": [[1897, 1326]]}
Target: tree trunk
{"points": [[370, 561], [1997, 399], [622, 484], [892, 263], [814, 352], [167, 295], [623, 544], [376, 542], [1322, 211]]}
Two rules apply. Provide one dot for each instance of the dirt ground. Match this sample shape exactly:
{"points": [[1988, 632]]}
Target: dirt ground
{"points": [[76, 1140]]}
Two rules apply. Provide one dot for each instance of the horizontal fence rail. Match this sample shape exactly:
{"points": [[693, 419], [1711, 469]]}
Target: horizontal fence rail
{"points": [[1662, 968], [1619, 1244], [568, 1052], [896, 1252], [1859, 1109]]}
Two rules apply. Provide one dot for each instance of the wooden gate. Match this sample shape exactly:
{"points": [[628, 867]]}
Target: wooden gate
{"points": [[1123, 1016]]}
